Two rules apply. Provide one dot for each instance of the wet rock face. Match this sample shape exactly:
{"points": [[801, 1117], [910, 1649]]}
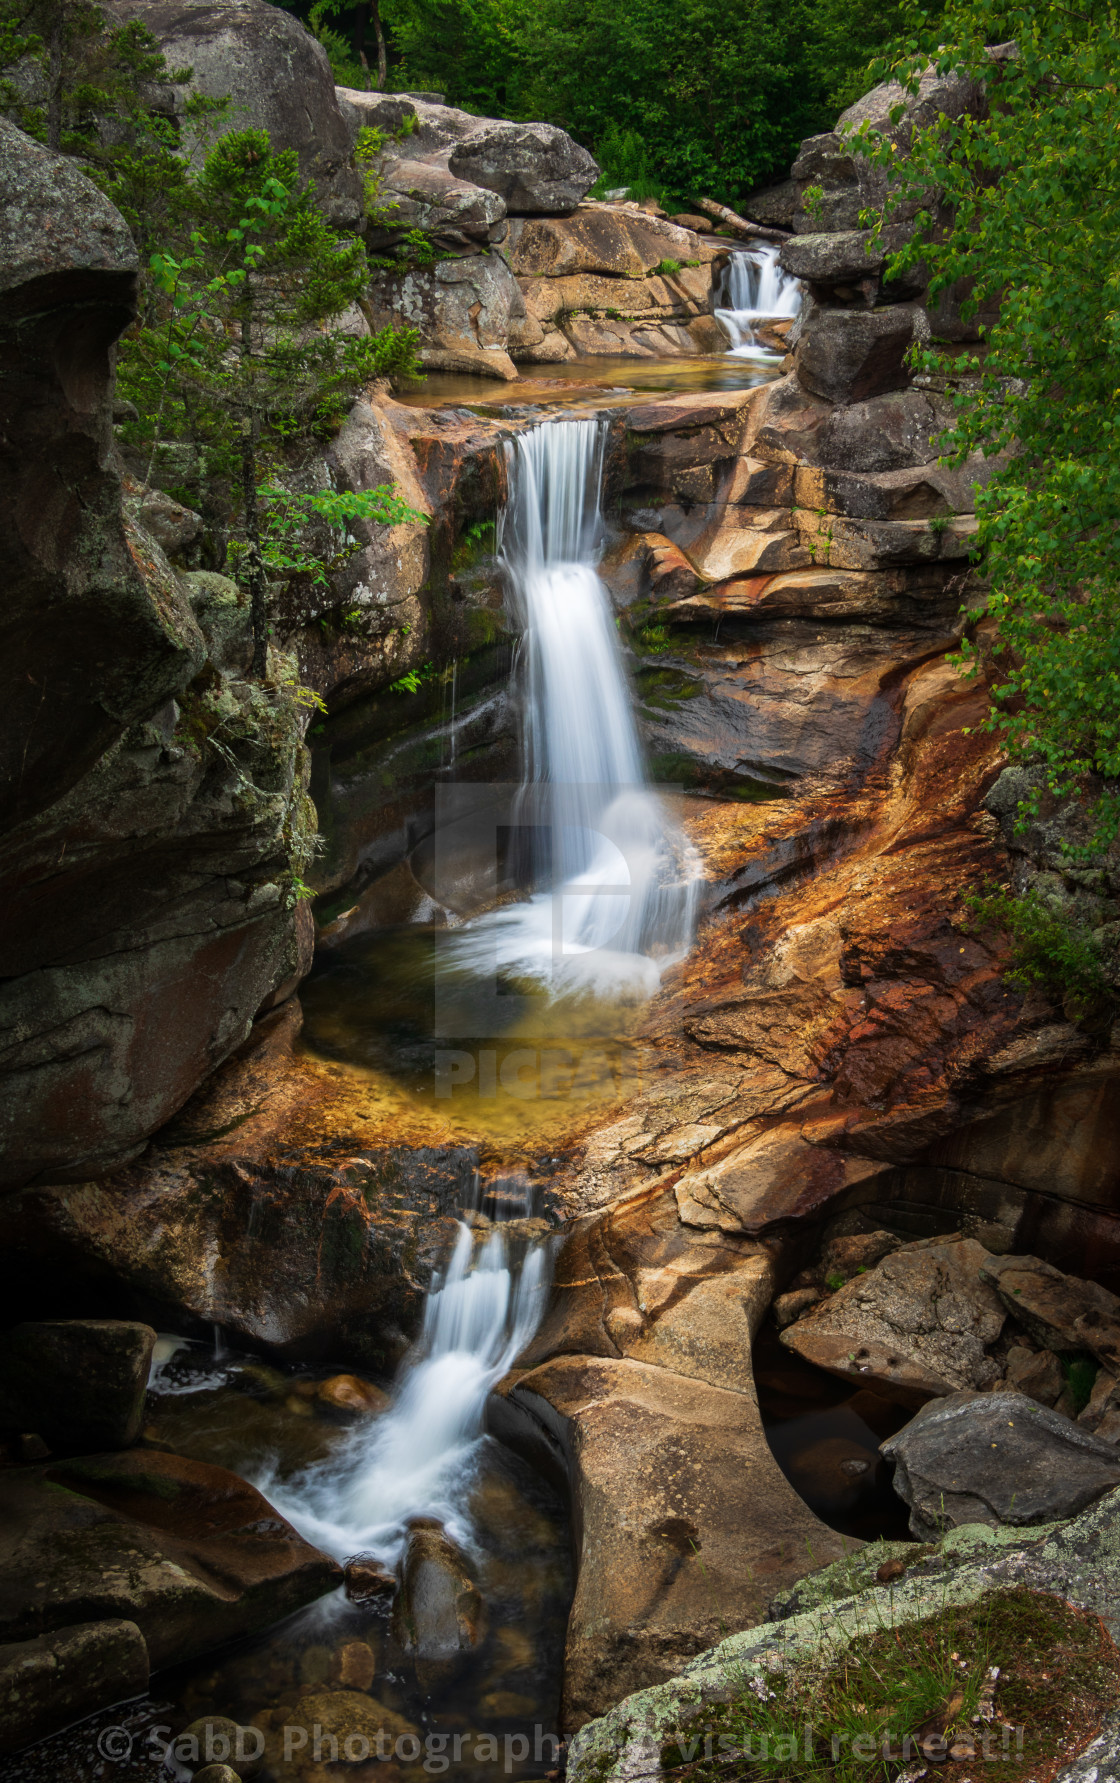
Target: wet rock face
{"points": [[274, 72], [639, 1387], [310, 1249], [56, 1678], [437, 1613], [146, 915], [996, 1458], [189, 1554]]}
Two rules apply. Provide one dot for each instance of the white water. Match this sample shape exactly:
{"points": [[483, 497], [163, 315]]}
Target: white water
{"points": [[583, 774], [418, 1459], [757, 290]]}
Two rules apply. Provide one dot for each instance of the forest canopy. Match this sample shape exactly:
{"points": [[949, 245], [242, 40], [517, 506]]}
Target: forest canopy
{"points": [[673, 97]]}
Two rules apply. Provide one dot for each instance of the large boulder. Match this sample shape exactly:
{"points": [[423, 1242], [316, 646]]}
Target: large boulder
{"points": [[190, 1554], [465, 309], [77, 1383], [917, 1327], [640, 1388], [1060, 1311], [849, 355], [57, 1678], [275, 75], [622, 242], [416, 195], [996, 1458], [533, 167]]}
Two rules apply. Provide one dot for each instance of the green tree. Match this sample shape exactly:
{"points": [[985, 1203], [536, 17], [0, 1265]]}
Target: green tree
{"points": [[241, 358], [717, 93], [1033, 188]]}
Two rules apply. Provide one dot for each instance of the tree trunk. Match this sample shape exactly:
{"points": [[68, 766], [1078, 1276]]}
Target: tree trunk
{"points": [[54, 77], [254, 561], [382, 56], [740, 224]]}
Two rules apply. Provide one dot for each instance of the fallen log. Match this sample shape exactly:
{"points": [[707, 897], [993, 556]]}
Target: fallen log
{"points": [[740, 224]]}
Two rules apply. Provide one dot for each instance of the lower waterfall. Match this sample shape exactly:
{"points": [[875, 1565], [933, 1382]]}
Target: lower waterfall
{"points": [[418, 1458]]}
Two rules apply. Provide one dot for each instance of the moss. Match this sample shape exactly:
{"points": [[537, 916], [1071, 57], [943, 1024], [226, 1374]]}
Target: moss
{"points": [[1053, 1666]]}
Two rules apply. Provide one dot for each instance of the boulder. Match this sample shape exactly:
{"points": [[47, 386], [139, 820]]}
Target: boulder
{"points": [[845, 255], [686, 1523], [350, 1396], [1060, 1311], [437, 1613], [639, 1389], [533, 167], [914, 1328], [417, 195], [849, 355], [464, 308], [996, 1458], [78, 1383], [597, 238], [54, 1679], [775, 206], [276, 76], [1037, 1373], [189, 1553]]}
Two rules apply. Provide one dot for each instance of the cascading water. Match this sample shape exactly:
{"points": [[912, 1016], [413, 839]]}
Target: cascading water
{"points": [[621, 904], [419, 1458], [756, 289]]}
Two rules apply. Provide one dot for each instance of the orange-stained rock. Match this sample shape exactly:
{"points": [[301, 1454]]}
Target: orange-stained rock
{"points": [[349, 1394]]}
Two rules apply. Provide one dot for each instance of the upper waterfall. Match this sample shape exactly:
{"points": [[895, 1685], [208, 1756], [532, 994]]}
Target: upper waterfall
{"points": [[621, 883], [755, 288]]}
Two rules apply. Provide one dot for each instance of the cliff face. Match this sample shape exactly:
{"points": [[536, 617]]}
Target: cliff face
{"points": [[152, 803]]}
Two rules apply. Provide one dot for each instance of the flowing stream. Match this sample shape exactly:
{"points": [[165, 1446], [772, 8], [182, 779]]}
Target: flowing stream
{"points": [[756, 290], [617, 883], [420, 1457]]}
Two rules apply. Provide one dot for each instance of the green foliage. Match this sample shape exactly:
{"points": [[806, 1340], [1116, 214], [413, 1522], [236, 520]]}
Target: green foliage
{"points": [[1035, 191], [1050, 951], [235, 356], [1079, 1374], [625, 161], [666, 269], [310, 536], [654, 640], [415, 679], [673, 96]]}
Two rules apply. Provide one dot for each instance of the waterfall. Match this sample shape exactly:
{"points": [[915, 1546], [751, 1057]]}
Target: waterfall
{"points": [[418, 1459], [755, 289], [622, 883]]}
